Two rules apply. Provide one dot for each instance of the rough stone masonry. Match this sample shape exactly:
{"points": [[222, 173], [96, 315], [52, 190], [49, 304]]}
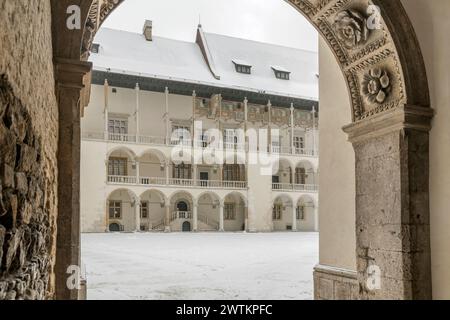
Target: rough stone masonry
{"points": [[25, 228]]}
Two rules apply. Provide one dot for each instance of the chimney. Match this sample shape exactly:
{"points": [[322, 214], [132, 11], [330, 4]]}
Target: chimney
{"points": [[148, 30]]}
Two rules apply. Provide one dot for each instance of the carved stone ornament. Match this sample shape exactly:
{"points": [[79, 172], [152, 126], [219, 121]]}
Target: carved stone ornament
{"points": [[351, 28], [377, 85]]}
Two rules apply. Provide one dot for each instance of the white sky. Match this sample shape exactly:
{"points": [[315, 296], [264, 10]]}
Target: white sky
{"points": [[272, 21]]}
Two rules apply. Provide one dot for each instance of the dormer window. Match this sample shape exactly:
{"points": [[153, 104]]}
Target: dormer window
{"points": [[95, 48], [281, 73], [242, 66]]}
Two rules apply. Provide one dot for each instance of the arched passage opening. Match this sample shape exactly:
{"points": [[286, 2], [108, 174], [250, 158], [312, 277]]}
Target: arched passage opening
{"points": [[385, 90], [121, 207], [208, 212]]}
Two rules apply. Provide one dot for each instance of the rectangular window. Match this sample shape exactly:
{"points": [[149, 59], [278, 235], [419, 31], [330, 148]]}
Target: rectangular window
{"points": [[118, 167], [282, 75], [230, 211], [144, 210], [115, 209], [300, 213], [277, 212], [243, 69], [118, 126], [181, 135], [182, 171], [299, 143], [232, 172], [300, 176]]}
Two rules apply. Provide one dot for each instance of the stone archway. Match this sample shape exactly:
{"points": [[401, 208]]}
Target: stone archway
{"points": [[387, 84]]}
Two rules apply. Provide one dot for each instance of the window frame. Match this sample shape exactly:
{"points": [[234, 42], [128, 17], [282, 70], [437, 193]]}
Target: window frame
{"points": [[144, 208], [114, 205], [277, 212]]}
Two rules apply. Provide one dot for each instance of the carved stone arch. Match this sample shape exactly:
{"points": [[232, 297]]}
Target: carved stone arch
{"points": [[386, 79]]}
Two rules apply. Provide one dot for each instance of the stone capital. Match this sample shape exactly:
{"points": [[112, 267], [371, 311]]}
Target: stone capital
{"points": [[74, 75], [406, 117]]}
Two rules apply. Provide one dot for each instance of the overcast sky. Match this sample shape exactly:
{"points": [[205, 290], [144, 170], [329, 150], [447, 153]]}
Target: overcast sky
{"points": [[272, 21]]}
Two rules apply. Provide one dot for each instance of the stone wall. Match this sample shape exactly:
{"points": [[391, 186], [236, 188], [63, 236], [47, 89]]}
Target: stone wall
{"points": [[28, 143]]}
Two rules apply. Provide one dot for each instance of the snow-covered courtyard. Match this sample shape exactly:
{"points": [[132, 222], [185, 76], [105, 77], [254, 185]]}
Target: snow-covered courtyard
{"points": [[203, 266]]}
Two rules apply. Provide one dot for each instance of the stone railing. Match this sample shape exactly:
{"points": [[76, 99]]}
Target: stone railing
{"points": [[182, 215], [171, 182], [295, 187]]}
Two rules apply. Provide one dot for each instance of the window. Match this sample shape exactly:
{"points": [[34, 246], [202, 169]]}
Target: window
{"points": [[299, 143], [118, 167], [243, 69], [180, 134], [300, 176], [115, 209], [95, 48], [242, 66], [118, 126], [182, 171], [282, 75], [301, 212], [277, 212], [144, 210], [232, 172], [230, 211]]}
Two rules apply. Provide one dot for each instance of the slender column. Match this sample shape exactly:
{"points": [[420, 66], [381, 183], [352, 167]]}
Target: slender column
{"points": [[269, 106], [294, 217], [167, 117], [292, 129], [137, 89], [316, 218], [137, 208], [138, 174], [314, 150], [71, 78], [167, 220], [221, 218], [106, 108], [195, 217], [167, 173], [246, 219], [194, 138], [245, 122]]}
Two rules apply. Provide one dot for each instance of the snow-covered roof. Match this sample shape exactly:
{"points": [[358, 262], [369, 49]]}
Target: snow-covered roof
{"points": [[130, 53]]}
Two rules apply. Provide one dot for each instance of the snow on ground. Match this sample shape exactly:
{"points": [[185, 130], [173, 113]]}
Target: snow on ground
{"points": [[205, 266]]}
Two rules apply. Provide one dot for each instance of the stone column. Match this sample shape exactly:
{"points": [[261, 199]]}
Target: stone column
{"points": [[246, 219], [106, 108], [316, 218], [167, 173], [167, 220], [195, 217], [392, 203], [314, 149], [137, 208], [294, 218], [292, 129], [269, 126], [221, 218], [138, 129], [167, 117], [138, 173], [71, 79]]}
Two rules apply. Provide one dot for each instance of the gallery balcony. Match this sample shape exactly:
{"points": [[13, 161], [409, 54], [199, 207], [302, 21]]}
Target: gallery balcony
{"points": [[290, 187], [176, 183], [165, 142]]}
